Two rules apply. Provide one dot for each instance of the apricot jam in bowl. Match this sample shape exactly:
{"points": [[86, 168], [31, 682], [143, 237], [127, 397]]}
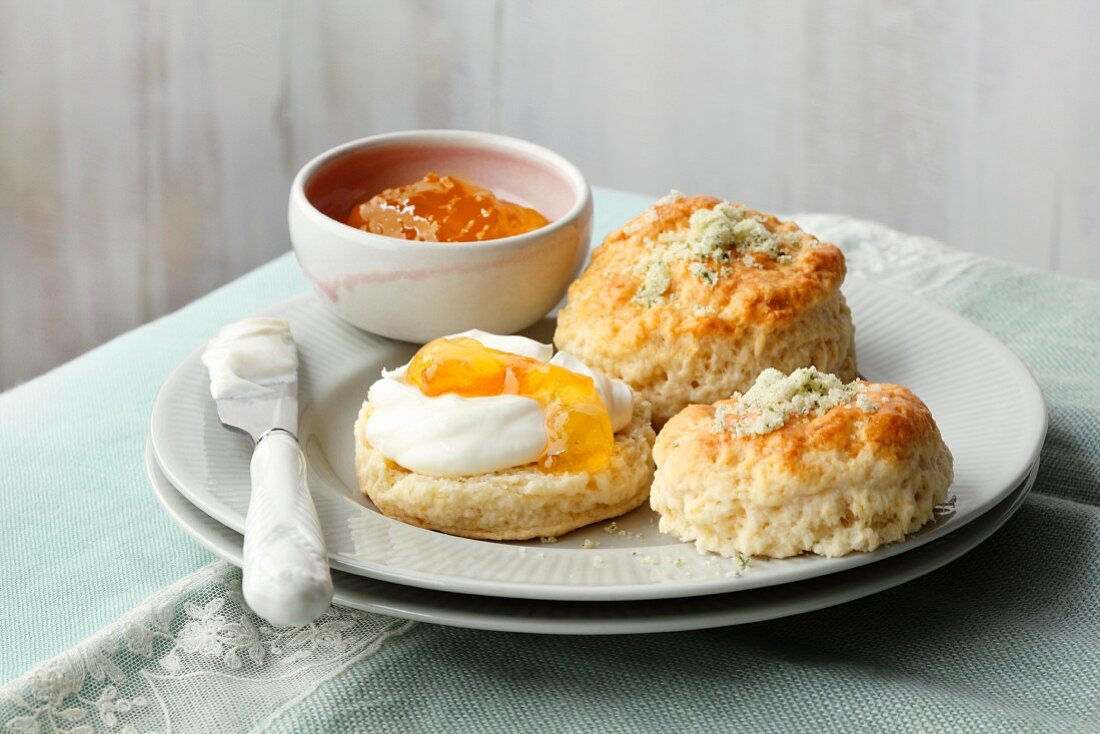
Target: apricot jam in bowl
{"points": [[415, 235]]}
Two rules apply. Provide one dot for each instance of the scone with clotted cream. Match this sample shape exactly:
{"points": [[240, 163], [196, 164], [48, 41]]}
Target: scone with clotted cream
{"points": [[801, 462], [689, 301], [495, 437]]}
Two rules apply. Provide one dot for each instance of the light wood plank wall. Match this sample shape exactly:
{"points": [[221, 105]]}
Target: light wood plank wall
{"points": [[146, 148]]}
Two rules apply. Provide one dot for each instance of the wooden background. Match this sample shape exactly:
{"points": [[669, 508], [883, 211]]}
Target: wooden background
{"points": [[146, 148]]}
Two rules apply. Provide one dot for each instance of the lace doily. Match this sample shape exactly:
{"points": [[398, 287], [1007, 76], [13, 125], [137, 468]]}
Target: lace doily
{"points": [[191, 658], [876, 252]]}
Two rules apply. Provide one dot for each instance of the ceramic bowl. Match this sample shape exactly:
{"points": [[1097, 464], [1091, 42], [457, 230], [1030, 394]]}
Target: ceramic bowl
{"points": [[417, 291]]}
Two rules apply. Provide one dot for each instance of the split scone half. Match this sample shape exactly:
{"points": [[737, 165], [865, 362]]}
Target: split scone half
{"points": [[491, 437], [519, 503], [689, 301], [801, 463]]}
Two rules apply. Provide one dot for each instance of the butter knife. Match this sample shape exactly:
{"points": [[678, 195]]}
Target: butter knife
{"points": [[286, 573]]}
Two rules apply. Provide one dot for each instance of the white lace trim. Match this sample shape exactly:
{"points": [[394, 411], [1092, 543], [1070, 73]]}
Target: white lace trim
{"points": [[191, 658], [876, 252]]}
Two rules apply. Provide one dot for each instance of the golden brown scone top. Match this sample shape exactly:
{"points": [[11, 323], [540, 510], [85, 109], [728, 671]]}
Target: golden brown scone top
{"points": [[766, 292], [900, 422]]}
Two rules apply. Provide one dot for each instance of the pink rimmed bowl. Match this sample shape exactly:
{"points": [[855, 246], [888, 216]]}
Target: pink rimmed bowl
{"points": [[417, 291]]}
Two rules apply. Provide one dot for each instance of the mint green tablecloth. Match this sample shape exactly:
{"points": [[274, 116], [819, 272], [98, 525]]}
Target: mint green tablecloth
{"points": [[1005, 639]]}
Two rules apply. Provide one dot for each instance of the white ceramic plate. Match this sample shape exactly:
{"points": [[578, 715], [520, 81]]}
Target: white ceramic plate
{"points": [[987, 405], [606, 618]]}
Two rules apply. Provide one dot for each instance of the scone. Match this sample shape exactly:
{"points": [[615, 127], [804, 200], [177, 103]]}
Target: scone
{"points": [[495, 437], [511, 504], [800, 463], [689, 301]]}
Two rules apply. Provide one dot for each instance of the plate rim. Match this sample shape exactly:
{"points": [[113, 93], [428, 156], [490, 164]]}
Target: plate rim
{"points": [[364, 592]]}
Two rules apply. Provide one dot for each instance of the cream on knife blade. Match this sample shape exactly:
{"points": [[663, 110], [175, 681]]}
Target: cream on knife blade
{"points": [[250, 356]]}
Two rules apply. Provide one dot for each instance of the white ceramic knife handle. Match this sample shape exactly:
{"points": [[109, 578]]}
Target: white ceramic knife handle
{"points": [[286, 573]]}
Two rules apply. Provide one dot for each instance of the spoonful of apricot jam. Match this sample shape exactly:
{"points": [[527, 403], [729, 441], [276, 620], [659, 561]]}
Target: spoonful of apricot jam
{"points": [[443, 209], [578, 428]]}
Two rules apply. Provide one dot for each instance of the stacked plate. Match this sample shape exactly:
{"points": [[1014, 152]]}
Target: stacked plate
{"points": [[619, 577]]}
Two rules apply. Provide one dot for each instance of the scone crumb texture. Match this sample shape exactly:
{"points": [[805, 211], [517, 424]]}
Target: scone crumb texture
{"points": [[612, 528]]}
